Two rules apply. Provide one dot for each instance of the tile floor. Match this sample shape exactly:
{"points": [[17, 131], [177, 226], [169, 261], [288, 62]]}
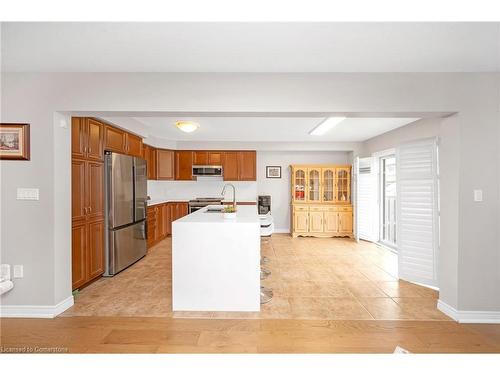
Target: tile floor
{"points": [[312, 278]]}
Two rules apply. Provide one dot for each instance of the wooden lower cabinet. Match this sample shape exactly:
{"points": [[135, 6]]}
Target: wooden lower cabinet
{"points": [[78, 255], [322, 220], [316, 222], [87, 252], [160, 218]]}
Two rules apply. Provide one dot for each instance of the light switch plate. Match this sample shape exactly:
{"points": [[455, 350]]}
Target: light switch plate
{"points": [[18, 271], [478, 195], [30, 194]]}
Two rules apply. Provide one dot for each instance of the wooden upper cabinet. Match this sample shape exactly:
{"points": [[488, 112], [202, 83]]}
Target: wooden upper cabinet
{"points": [[165, 166], [115, 139], [87, 137], [150, 157], [95, 190], [78, 200], [78, 137], [214, 158], [95, 140], [183, 165], [134, 145], [200, 157], [230, 166], [247, 165]]}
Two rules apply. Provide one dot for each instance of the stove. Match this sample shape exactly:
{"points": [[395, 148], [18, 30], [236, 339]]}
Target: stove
{"points": [[198, 203]]}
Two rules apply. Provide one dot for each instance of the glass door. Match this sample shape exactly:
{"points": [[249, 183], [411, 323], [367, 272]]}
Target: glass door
{"points": [[343, 185], [388, 200], [314, 194], [299, 185], [328, 192]]}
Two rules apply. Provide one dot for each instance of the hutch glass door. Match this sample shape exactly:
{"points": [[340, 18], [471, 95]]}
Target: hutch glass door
{"points": [[314, 185], [299, 185], [343, 188], [328, 184]]}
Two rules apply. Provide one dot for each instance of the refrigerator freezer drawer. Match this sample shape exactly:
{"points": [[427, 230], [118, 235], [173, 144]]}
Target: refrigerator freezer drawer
{"points": [[126, 246]]}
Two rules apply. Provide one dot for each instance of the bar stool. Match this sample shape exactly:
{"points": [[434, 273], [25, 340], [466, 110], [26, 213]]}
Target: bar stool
{"points": [[264, 273], [266, 295]]}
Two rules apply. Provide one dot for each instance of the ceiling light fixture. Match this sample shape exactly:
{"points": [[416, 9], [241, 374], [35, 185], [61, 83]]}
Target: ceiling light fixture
{"points": [[328, 124], [187, 126]]}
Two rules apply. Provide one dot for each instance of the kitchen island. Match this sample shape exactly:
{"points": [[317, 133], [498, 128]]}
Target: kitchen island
{"points": [[216, 261]]}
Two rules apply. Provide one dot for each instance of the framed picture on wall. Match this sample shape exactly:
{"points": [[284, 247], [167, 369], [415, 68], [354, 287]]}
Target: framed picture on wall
{"points": [[273, 171], [15, 141]]}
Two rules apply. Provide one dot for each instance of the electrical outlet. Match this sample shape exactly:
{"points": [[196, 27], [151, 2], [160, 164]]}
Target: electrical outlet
{"points": [[18, 271]]}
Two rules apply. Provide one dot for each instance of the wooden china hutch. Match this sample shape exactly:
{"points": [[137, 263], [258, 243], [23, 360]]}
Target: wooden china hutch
{"points": [[321, 201]]}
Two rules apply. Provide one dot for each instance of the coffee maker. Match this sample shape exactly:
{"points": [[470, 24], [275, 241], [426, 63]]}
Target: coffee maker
{"points": [[264, 205]]}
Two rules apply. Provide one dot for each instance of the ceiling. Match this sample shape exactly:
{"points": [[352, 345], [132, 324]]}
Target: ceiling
{"points": [[266, 129], [250, 47]]}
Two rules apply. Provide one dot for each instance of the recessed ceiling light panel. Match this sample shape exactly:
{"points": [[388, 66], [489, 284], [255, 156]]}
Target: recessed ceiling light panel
{"points": [[187, 126], [326, 125]]}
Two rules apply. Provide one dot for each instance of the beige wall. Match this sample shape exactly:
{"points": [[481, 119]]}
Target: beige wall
{"points": [[36, 233]]}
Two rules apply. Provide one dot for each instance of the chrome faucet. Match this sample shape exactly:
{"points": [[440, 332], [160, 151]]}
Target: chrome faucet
{"points": [[234, 192]]}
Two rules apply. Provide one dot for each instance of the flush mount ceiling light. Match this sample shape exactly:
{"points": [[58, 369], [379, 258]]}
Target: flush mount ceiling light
{"points": [[326, 125], [187, 126]]}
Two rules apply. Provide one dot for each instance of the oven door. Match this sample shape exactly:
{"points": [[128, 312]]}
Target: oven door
{"points": [[194, 208]]}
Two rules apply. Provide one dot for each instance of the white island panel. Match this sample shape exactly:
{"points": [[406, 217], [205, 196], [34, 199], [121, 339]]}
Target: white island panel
{"points": [[216, 261]]}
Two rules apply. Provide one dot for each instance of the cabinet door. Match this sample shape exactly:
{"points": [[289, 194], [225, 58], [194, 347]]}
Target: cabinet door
{"points": [[328, 184], [299, 185], [95, 190], [247, 165], [134, 145], [343, 184], [200, 158], [331, 222], [164, 221], [316, 221], [214, 158], [95, 249], [345, 221], [165, 166], [78, 197], [78, 258], [230, 166], [313, 190], [301, 221], [171, 208], [182, 209], [95, 140], [78, 137], [115, 139], [150, 157], [183, 165]]}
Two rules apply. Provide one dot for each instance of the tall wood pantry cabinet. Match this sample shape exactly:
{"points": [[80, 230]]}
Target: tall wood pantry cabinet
{"points": [[87, 173], [321, 201]]}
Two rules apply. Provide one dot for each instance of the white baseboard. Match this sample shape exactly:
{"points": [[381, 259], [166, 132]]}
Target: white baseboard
{"points": [[282, 230], [35, 311], [492, 317]]}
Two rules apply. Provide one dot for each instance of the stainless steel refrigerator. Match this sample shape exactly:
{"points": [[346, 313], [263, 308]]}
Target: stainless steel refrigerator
{"points": [[126, 206]]}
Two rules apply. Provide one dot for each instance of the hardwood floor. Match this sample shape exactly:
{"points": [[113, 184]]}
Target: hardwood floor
{"points": [[330, 297], [166, 335]]}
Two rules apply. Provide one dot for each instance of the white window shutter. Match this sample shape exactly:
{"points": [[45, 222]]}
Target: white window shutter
{"points": [[417, 211]]}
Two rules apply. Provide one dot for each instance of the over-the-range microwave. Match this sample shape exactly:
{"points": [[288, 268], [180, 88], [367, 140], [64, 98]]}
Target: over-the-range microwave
{"points": [[207, 170]]}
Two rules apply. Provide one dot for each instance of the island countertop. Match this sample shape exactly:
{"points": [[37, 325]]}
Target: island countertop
{"points": [[244, 214], [216, 261]]}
